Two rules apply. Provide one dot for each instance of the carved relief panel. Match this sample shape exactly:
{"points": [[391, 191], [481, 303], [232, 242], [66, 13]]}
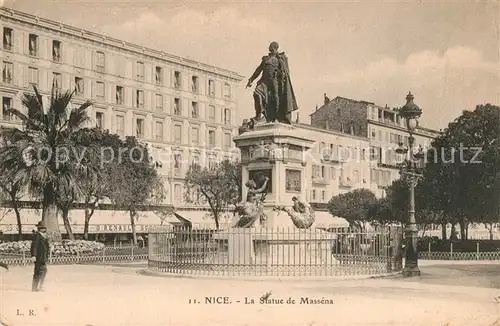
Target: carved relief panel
{"points": [[293, 181]]}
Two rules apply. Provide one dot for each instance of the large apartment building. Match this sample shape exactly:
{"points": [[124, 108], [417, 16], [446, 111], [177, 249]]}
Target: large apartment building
{"points": [[183, 109], [382, 126]]}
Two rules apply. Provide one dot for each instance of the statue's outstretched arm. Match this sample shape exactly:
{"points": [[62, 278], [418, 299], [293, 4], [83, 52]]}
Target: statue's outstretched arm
{"points": [[256, 73], [261, 189]]}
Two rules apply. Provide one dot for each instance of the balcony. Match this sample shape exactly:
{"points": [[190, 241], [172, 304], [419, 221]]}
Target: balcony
{"points": [[320, 181], [346, 182], [328, 157], [389, 165]]}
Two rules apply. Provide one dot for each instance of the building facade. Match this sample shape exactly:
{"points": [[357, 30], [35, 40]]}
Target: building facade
{"points": [[184, 110], [337, 163], [382, 126]]}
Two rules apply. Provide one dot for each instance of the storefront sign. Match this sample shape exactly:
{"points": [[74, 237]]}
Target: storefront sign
{"points": [[78, 228]]}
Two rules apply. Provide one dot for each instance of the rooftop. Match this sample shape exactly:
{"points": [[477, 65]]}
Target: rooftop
{"points": [[343, 98], [328, 131], [82, 33]]}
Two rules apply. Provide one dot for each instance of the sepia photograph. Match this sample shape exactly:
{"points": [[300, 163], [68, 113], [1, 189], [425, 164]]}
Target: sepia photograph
{"points": [[249, 163]]}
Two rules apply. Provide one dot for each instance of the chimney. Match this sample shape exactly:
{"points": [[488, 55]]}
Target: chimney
{"points": [[316, 107], [297, 119], [327, 125], [326, 99]]}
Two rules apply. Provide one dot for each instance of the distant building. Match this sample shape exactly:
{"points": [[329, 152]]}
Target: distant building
{"points": [[382, 126], [183, 109], [338, 163]]}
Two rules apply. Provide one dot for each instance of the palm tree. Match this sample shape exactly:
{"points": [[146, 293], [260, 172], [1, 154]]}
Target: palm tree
{"points": [[44, 156]]}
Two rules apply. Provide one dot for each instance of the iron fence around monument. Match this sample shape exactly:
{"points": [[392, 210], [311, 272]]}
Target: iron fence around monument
{"points": [[275, 252]]}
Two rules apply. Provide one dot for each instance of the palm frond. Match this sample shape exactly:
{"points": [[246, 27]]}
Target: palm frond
{"points": [[79, 116], [34, 104], [59, 108]]}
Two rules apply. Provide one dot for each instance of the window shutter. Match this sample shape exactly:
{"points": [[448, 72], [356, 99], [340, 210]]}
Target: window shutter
{"points": [[24, 38], [106, 60], [46, 45], [93, 59], [16, 37], [76, 53], [111, 64], [20, 74]]}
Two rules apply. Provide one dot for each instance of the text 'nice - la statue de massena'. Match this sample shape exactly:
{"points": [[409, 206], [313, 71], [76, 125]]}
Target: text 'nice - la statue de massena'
{"points": [[274, 101]]}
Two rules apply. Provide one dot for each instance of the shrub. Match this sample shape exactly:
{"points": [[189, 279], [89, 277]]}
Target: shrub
{"points": [[64, 248]]}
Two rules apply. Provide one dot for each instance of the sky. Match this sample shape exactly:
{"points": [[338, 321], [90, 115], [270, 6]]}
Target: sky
{"points": [[445, 53]]}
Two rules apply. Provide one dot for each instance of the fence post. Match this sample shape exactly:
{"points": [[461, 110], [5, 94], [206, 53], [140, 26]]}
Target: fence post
{"points": [[429, 249], [477, 250], [104, 254], [451, 250], [78, 256], [24, 258], [132, 253]]}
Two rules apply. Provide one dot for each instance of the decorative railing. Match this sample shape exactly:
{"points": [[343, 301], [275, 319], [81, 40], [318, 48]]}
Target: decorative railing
{"points": [[274, 252], [459, 255], [471, 249]]}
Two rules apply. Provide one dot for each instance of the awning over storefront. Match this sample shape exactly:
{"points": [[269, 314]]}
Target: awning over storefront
{"points": [[199, 219], [326, 220]]}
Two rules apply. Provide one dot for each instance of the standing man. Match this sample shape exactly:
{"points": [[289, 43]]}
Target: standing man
{"points": [[39, 255], [274, 98]]}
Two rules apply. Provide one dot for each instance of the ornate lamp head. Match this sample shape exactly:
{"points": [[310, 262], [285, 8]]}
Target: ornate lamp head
{"points": [[410, 112]]}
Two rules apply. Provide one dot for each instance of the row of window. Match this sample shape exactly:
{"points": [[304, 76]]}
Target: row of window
{"points": [[140, 127], [340, 152], [99, 94], [99, 65], [386, 156], [389, 137], [325, 173], [385, 116], [315, 195], [194, 136], [381, 177]]}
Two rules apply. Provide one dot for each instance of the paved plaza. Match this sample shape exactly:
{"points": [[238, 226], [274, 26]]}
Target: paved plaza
{"points": [[119, 295]]}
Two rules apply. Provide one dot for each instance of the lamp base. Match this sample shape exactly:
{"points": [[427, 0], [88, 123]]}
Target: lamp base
{"points": [[410, 272]]}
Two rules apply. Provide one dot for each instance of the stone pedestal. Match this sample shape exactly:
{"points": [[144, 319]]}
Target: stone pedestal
{"points": [[240, 247], [280, 152]]}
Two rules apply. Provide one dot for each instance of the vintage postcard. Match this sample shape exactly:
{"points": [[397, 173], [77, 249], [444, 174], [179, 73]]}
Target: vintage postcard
{"points": [[263, 163]]}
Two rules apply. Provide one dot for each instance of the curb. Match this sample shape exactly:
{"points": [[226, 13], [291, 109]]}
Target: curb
{"points": [[148, 272]]}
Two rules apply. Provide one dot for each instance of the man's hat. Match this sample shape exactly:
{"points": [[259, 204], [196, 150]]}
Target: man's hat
{"points": [[40, 225]]}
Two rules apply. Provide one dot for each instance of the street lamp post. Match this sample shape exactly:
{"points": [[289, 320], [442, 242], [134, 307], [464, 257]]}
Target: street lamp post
{"points": [[410, 112]]}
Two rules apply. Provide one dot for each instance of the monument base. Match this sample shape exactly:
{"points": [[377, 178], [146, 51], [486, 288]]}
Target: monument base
{"points": [[273, 247], [410, 272]]}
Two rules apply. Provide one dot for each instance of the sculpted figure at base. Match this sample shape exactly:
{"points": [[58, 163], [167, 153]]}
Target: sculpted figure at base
{"points": [[273, 96], [252, 209], [301, 213]]}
